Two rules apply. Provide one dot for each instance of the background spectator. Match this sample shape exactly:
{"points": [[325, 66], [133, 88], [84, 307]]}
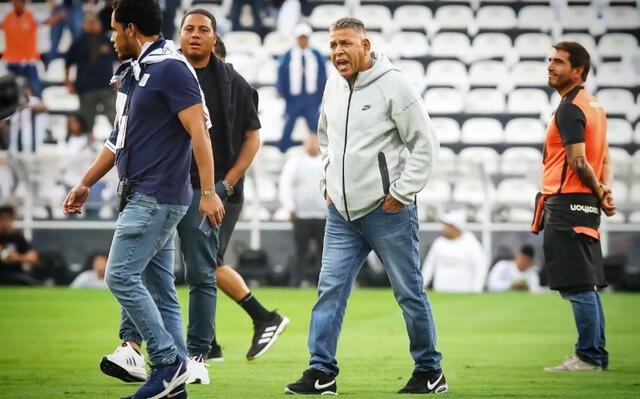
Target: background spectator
{"points": [[515, 274], [94, 56], [256, 10], [93, 276], [301, 78], [301, 197], [64, 13], [14, 252], [27, 126], [456, 261], [20, 29]]}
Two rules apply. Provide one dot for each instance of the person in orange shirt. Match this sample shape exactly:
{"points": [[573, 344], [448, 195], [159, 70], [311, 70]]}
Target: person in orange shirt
{"points": [[576, 188], [20, 29]]}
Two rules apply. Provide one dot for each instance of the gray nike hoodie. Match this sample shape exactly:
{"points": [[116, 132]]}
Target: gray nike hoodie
{"points": [[376, 138]]}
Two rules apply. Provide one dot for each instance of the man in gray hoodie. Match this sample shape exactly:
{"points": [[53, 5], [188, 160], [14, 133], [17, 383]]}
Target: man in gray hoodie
{"points": [[378, 149]]}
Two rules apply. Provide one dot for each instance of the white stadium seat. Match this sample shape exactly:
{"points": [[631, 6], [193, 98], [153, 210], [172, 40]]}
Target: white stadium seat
{"points": [[320, 41], [533, 45], [437, 191], [374, 16], [447, 130], [412, 17], [520, 160], [447, 73], [528, 101], [267, 73], [442, 100], [277, 43], [536, 17], [413, 69], [492, 45], [447, 160], [323, 15], [635, 163], [530, 73], [244, 64], [619, 131], [496, 18], [585, 39], [485, 101], [487, 73], [620, 191], [482, 131], [524, 131], [470, 157], [620, 161], [58, 99], [617, 45], [454, 17], [409, 44], [242, 42], [516, 192], [578, 17], [469, 191], [450, 44], [616, 74], [618, 102], [624, 17], [636, 136]]}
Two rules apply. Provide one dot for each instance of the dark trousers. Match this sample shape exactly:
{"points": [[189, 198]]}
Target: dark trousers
{"points": [[29, 71], [589, 318], [306, 232], [91, 100], [304, 106]]}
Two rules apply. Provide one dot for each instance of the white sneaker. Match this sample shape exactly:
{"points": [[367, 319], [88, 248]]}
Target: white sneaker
{"points": [[198, 373], [573, 363], [125, 363]]}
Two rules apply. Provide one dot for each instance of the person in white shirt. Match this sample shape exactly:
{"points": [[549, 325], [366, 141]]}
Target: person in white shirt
{"points": [[299, 196], [518, 274], [94, 277], [456, 262]]}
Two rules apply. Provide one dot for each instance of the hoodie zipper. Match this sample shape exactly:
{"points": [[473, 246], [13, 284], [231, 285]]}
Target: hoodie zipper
{"points": [[344, 153]]}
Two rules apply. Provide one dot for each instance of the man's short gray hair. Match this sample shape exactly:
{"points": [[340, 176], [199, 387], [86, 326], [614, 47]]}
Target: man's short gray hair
{"points": [[349, 23]]}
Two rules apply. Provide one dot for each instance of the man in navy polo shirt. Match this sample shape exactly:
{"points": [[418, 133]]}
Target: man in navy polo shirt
{"points": [[160, 117]]}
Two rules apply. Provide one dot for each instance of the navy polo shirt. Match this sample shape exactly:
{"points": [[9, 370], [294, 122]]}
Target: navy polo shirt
{"points": [[157, 148]]}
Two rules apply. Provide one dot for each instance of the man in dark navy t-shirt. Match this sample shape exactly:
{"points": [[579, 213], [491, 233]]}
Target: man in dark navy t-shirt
{"points": [[161, 118]]}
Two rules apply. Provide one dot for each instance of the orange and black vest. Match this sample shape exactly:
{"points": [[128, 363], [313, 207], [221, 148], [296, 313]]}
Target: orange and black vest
{"points": [[582, 109]]}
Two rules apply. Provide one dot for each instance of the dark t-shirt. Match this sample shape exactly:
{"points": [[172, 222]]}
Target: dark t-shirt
{"points": [[211, 90], [157, 148], [94, 56], [233, 107], [570, 120], [15, 242]]}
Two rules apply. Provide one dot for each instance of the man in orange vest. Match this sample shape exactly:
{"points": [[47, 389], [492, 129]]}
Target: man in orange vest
{"points": [[20, 29], [576, 185]]}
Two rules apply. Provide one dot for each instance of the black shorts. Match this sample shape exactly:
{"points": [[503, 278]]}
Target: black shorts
{"points": [[231, 214], [573, 261]]}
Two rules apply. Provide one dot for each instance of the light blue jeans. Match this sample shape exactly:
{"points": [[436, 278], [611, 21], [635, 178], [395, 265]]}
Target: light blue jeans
{"points": [[589, 318], [394, 238], [200, 258], [140, 276]]}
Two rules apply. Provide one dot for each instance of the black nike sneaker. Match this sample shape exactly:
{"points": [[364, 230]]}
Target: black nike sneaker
{"points": [[313, 382], [265, 334], [215, 354], [426, 382]]}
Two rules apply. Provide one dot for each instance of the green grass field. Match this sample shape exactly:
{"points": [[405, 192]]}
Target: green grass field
{"points": [[494, 346]]}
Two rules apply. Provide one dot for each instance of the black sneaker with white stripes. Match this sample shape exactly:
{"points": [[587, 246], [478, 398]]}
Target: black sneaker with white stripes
{"points": [[313, 382], [265, 334], [432, 381]]}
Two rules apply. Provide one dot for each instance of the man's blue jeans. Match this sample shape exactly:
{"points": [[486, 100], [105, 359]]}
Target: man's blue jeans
{"points": [[74, 20], [394, 238], [589, 318], [200, 254], [140, 276], [29, 71]]}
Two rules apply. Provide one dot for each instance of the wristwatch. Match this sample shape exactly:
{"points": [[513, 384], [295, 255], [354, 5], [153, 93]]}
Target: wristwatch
{"points": [[228, 188], [207, 192]]}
